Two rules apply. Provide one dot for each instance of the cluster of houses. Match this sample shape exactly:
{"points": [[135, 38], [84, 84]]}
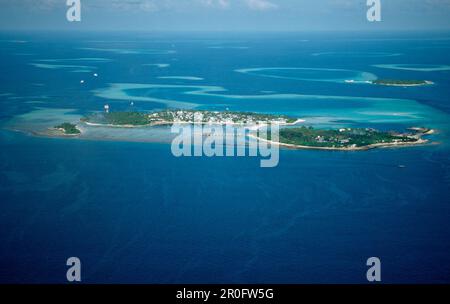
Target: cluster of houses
{"points": [[215, 117]]}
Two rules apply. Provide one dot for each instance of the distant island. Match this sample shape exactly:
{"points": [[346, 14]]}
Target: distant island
{"points": [[68, 129], [140, 119], [347, 139], [401, 83]]}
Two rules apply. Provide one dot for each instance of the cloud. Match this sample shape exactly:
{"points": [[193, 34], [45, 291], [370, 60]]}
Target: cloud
{"points": [[145, 5], [257, 5], [32, 4], [261, 5], [135, 5], [223, 4]]}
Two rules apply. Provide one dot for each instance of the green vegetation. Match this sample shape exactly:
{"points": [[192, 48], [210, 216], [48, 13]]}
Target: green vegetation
{"points": [[343, 138], [68, 128], [127, 118], [397, 82], [185, 116]]}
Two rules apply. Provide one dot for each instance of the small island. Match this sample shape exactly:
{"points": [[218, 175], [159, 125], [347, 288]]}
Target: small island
{"points": [[347, 139], [168, 117], [68, 129], [401, 83]]}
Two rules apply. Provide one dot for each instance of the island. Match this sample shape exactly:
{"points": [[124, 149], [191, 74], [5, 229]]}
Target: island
{"points": [[68, 129], [168, 117], [401, 83], [347, 139], [291, 135]]}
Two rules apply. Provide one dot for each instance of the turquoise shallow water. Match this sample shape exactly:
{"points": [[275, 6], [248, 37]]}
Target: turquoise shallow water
{"points": [[134, 213], [311, 74]]}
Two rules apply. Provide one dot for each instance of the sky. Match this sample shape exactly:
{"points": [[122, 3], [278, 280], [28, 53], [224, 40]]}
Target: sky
{"points": [[224, 15]]}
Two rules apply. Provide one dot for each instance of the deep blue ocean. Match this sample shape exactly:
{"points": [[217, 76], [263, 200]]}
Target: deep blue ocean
{"points": [[134, 213]]}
